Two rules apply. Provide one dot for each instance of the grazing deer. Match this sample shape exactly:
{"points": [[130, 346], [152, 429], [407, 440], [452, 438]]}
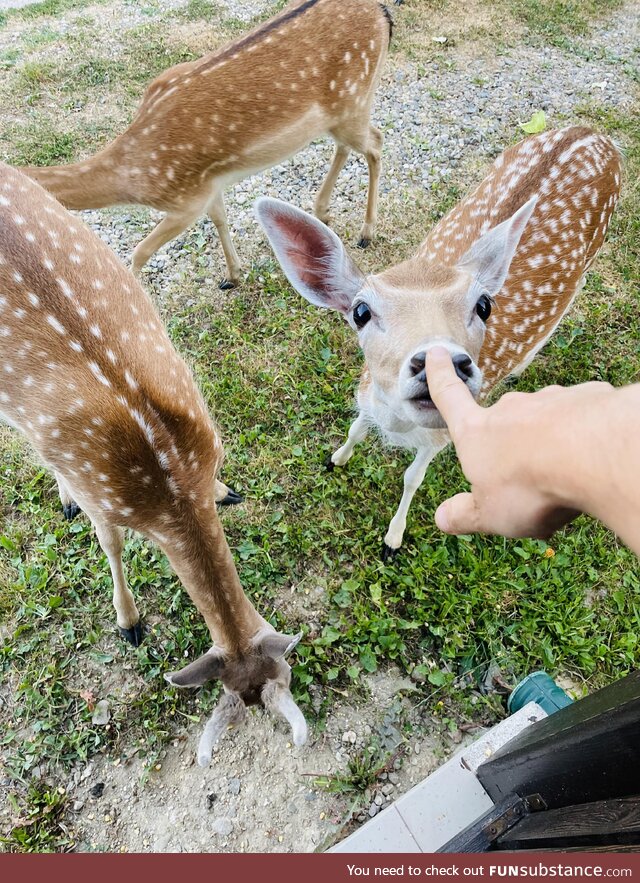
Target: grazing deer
{"points": [[312, 70], [491, 282], [90, 377]]}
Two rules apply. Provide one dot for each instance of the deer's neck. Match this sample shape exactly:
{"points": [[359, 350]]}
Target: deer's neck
{"points": [[201, 558]]}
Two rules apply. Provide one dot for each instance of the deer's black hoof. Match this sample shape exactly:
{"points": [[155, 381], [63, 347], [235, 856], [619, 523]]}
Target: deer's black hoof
{"points": [[134, 635], [388, 554], [329, 465], [364, 242], [232, 499], [226, 284], [71, 510]]}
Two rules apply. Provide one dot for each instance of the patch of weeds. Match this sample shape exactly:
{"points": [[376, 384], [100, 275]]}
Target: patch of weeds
{"points": [[39, 826], [9, 58], [555, 20], [444, 198], [41, 146], [35, 73], [362, 772], [38, 37], [45, 8], [147, 53], [196, 10], [95, 72]]}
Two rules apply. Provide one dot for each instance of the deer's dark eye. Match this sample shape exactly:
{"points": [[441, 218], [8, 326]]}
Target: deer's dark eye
{"points": [[361, 314], [483, 307]]}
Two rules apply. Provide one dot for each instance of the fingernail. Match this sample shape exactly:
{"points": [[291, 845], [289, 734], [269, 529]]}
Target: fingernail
{"points": [[441, 518], [439, 352]]}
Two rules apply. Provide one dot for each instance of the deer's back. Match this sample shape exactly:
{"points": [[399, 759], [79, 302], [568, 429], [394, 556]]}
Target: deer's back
{"points": [[256, 101], [87, 370], [576, 174]]}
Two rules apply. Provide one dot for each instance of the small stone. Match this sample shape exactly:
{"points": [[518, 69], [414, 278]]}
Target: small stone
{"points": [[234, 786], [373, 810], [223, 827], [378, 800], [394, 778], [388, 789], [211, 799], [97, 790], [349, 737], [101, 713]]}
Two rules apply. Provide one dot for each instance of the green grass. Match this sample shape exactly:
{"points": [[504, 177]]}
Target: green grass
{"points": [[555, 20], [44, 8], [38, 826], [41, 145]]}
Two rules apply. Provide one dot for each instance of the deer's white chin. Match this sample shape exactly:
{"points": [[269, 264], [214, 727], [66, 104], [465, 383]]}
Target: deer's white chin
{"points": [[426, 414]]}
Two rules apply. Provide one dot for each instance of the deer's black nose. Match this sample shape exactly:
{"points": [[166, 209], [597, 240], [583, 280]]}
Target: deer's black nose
{"points": [[417, 363], [464, 366]]}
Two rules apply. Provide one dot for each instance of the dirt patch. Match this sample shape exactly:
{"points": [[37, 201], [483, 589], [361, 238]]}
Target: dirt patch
{"points": [[260, 794]]}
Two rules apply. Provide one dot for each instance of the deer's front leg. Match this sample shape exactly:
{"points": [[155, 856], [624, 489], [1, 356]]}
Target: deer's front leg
{"points": [[413, 478], [357, 433]]}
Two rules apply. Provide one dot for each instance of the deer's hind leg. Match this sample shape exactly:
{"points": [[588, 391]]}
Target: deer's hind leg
{"points": [[365, 139], [225, 495], [69, 506], [111, 539], [218, 214]]}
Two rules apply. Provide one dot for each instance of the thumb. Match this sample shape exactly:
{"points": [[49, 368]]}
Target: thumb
{"points": [[458, 515]]}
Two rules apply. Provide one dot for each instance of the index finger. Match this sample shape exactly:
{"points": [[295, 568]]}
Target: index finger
{"points": [[450, 395]]}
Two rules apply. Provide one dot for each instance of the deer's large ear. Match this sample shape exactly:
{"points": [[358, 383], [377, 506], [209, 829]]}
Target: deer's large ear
{"points": [[311, 255], [489, 258], [276, 645], [206, 668]]}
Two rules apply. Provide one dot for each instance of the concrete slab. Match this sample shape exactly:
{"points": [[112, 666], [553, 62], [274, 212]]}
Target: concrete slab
{"points": [[497, 736], [444, 803], [386, 832]]}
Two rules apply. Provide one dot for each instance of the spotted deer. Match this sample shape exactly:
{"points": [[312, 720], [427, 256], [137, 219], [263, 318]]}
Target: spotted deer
{"points": [[90, 377], [310, 71], [491, 282]]}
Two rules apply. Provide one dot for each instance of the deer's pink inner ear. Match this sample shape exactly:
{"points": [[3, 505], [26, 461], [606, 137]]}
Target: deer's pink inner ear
{"points": [[308, 250]]}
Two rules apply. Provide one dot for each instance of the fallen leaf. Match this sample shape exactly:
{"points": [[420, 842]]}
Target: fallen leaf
{"points": [[537, 123], [89, 698]]}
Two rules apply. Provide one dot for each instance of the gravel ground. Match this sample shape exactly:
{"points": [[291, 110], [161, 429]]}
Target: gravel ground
{"points": [[443, 121]]}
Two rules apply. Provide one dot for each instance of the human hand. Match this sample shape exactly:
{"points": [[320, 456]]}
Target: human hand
{"points": [[517, 454]]}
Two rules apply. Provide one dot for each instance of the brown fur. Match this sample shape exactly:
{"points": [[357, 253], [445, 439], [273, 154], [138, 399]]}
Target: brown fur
{"points": [[89, 375], [524, 318]]}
